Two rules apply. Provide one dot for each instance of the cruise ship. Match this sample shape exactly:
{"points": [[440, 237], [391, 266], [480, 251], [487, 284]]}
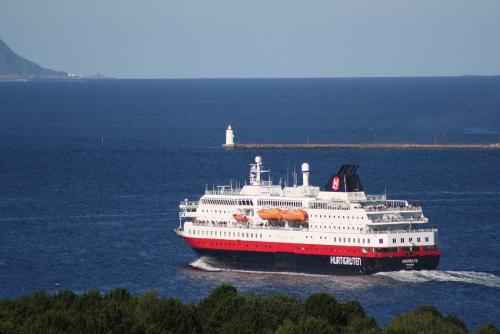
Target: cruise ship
{"points": [[334, 229]]}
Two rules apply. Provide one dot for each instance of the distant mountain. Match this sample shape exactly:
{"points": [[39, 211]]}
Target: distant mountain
{"points": [[13, 66]]}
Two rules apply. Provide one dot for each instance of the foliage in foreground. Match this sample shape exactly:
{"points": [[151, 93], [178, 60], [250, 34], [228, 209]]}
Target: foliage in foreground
{"points": [[223, 311]]}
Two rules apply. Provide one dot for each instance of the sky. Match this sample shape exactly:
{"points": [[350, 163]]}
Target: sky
{"points": [[258, 38]]}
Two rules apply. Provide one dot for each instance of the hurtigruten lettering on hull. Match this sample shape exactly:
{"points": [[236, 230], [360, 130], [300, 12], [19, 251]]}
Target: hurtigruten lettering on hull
{"points": [[334, 229], [346, 261]]}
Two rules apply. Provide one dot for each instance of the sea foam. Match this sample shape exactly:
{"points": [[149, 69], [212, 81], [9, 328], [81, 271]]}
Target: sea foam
{"points": [[472, 277]]}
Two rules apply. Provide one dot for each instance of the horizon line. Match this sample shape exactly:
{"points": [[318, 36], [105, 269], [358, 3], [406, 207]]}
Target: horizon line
{"points": [[301, 77]]}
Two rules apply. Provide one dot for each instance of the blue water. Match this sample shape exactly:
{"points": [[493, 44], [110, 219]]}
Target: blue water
{"points": [[91, 174]]}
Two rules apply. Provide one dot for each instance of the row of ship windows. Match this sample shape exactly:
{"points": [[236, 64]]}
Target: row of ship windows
{"points": [[224, 234], [343, 217], [394, 240], [259, 235], [334, 227], [215, 211], [326, 206], [347, 240], [227, 201], [248, 201], [278, 203]]}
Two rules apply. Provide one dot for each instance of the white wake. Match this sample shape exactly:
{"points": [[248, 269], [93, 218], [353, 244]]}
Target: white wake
{"points": [[201, 264], [411, 276], [472, 277]]}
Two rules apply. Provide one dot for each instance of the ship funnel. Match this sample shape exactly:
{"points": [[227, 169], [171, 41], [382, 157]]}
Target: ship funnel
{"points": [[305, 174]]}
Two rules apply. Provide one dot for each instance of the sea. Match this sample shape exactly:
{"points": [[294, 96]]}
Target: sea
{"points": [[92, 173]]}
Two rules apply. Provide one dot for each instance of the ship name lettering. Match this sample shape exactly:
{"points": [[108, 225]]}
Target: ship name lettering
{"points": [[408, 261], [345, 260]]}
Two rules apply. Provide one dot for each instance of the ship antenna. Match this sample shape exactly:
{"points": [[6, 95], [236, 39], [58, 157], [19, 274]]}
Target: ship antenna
{"points": [[286, 181], [294, 177]]}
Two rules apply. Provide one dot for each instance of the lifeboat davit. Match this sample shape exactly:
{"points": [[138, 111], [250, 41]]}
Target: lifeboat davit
{"points": [[294, 215], [241, 218], [270, 214]]}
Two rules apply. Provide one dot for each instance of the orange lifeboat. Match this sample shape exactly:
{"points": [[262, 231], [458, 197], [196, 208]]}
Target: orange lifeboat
{"points": [[294, 215], [270, 214], [241, 218]]}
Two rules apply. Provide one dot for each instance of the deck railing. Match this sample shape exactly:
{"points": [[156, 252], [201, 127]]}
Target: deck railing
{"points": [[223, 191], [388, 208]]}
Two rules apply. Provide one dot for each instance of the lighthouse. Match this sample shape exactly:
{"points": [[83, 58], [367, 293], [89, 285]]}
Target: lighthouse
{"points": [[229, 137]]}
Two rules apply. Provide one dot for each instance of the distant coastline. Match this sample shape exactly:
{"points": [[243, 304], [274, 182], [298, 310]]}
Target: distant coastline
{"points": [[19, 69]]}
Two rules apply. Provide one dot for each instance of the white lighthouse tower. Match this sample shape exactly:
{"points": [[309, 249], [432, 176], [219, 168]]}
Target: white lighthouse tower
{"points": [[229, 137]]}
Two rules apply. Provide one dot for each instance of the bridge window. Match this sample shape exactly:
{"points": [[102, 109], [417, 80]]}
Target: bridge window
{"points": [[380, 241], [418, 239], [394, 240], [402, 239]]}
